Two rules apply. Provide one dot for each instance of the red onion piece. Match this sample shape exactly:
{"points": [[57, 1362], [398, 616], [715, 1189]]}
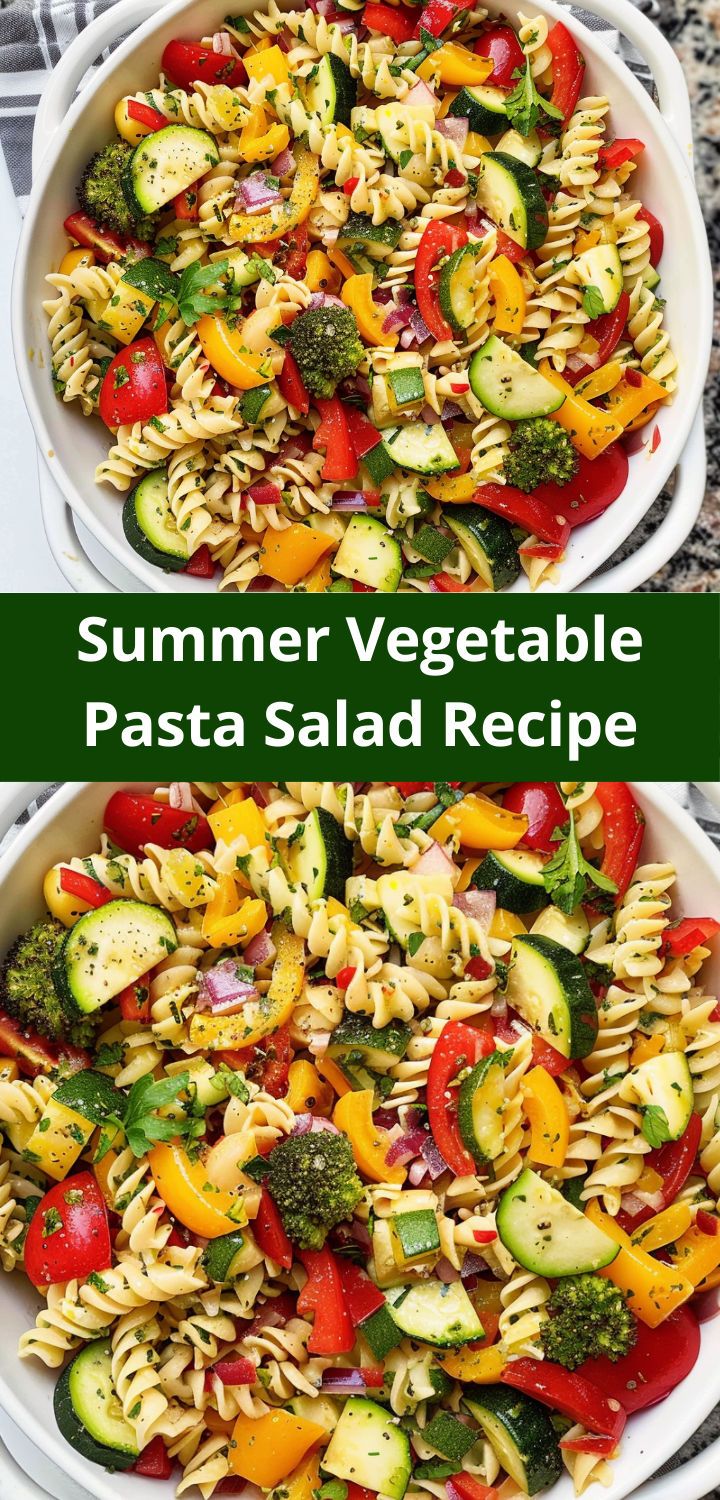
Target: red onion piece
{"points": [[284, 164], [433, 1158], [382, 295], [421, 94], [222, 44], [260, 950], [450, 412], [455, 128], [325, 299], [434, 861], [445, 1272], [256, 194], [260, 792], [343, 1382], [417, 1172], [398, 318], [499, 1004], [631, 1204], [259, 585], [224, 990], [477, 904], [264, 492], [472, 1266], [408, 339], [349, 500], [406, 1148], [307, 1124], [180, 796], [429, 417], [419, 327]]}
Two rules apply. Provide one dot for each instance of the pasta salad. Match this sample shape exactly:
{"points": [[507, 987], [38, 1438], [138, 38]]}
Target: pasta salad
{"points": [[368, 300], [361, 1139]]}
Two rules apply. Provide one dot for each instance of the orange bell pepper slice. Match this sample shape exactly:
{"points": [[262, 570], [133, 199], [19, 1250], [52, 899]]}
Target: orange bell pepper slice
{"points": [[508, 293], [357, 295], [478, 823], [337, 1080], [697, 1255], [228, 919], [306, 1090], [266, 1449], [627, 402], [288, 555], [545, 1107], [479, 1366], [370, 1144], [653, 1289], [589, 429], [185, 1190], [224, 349]]}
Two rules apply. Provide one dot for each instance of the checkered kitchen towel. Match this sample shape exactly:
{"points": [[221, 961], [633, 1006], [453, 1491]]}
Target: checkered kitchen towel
{"points": [[32, 39]]}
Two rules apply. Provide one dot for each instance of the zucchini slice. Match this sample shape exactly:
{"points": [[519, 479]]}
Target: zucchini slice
{"points": [[225, 1258], [93, 1095], [379, 1047], [420, 448], [166, 163], [415, 1236], [107, 950], [436, 1313], [369, 1448], [546, 1234], [510, 193], [665, 1083], [571, 932], [369, 553], [516, 875], [457, 286], [508, 386], [88, 1410], [527, 148], [332, 94], [548, 987], [488, 541], [449, 1436], [149, 524], [483, 106], [320, 857], [600, 272], [520, 1432], [480, 1108]]}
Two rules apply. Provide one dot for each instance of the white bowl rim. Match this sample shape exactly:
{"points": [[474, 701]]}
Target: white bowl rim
{"points": [[627, 516]]}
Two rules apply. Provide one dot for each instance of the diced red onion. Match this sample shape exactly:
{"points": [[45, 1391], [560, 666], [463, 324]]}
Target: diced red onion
{"points": [[180, 796], [499, 1004], [429, 417], [260, 950], [480, 905], [382, 295], [343, 1382], [284, 164], [419, 327], [434, 861], [325, 299], [578, 361], [455, 128], [421, 94], [417, 1171], [307, 1124], [631, 1204], [222, 44], [445, 1272], [225, 992], [256, 194], [406, 1148], [361, 1234], [472, 1266], [433, 1158], [399, 317], [349, 500], [268, 1316], [264, 492], [260, 792], [408, 338], [450, 412]]}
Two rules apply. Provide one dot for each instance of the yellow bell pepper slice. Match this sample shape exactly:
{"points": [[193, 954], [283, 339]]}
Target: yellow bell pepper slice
{"points": [[187, 1192], [242, 819], [545, 1107], [266, 145], [600, 382], [452, 489], [480, 1366], [370, 1144], [266, 1449], [227, 921], [357, 295], [506, 924], [223, 347], [589, 429], [256, 229], [75, 258], [586, 240], [476, 144], [339, 259], [664, 1228], [288, 555], [456, 66], [269, 62], [697, 1255], [478, 823], [306, 1090], [337, 1080], [653, 1290], [9, 1070], [627, 402], [303, 1483], [320, 274], [508, 293]]}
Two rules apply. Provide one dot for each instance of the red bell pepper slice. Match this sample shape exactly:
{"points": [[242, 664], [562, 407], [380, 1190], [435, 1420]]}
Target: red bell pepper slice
{"points": [[146, 115], [350, 186], [323, 1295], [408, 788], [523, 510], [568, 68], [657, 234], [590, 1443], [395, 21], [547, 1057], [567, 1392], [500, 43], [106, 245], [690, 933], [290, 384], [201, 564], [707, 1223], [478, 968], [184, 63], [135, 1001], [467, 1487], [458, 1046], [84, 887], [333, 435], [264, 492], [439, 240], [359, 1492], [35, 1054], [444, 583], [132, 820], [362, 1297], [623, 828], [186, 205], [345, 977], [615, 153], [276, 1054], [659, 1359], [236, 1370], [69, 1233], [540, 802], [270, 1234], [607, 330], [154, 1462], [363, 435], [134, 388], [596, 484], [673, 1162]]}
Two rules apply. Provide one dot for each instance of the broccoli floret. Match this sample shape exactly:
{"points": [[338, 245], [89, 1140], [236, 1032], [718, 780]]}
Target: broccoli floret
{"points": [[101, 193], [325, 345], [314, 1183], [27, 991], [588, 1317], [539, 450]]}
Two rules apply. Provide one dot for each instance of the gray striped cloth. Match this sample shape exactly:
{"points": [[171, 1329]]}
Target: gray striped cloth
{"points": [[32, 39]]}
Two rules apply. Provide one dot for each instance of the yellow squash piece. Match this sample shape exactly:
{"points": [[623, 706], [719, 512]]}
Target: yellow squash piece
{"points": [[508, 293], [123, 316], [226, 351], [191, 1197], [357, 295], [288, 555], [256, 229], [456, 66], [653, 1289], [478, 823], [58, 1139], [370, 1144], [545, 1107], [266, 1449], [590, 430]]}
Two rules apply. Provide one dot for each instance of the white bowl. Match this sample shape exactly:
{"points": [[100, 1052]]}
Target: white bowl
{"points": [[72, 445], [70, 823]]}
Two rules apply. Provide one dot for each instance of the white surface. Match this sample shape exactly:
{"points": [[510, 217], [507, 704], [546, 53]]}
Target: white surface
{"points": [[77, 445]]}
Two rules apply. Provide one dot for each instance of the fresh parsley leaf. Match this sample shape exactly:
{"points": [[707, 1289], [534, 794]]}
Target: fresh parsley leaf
{"points": [[108, 1054], [655, 1126], [142, 1126], [567, 874], [234, 1083], [593, 302], [415, 941], [525, 105], [404, 158]]}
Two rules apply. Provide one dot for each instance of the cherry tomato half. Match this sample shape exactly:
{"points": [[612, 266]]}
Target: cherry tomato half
{"points": [[134, 388], [132, 821], [501, 45], [186, 62], [542, 805], [69, 1234]]}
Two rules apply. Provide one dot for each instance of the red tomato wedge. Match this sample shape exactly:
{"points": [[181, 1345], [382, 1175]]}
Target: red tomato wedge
{"points": [[187, 62], [501, 45], [69, 1234], [132, 821], [134, 388], [542, 805]]}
